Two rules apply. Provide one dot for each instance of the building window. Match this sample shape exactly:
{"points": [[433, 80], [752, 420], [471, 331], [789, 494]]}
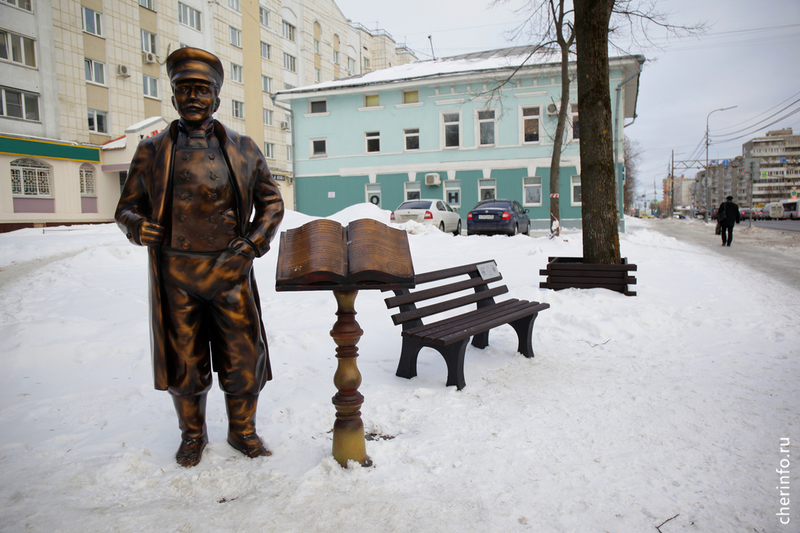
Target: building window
{"points": [[234, 4], [336, 57], [530, 124], [575, 188], [266, 50], [575, 130], [91, 21], [150, 86], [372, 100], [266, 84], [238, 109], [98, 121], [316, 46], [22, 4], [289, 62], [373, 141], [317, 75], [236, 36], [236, 73], [351, 65], [410, 97], [289, 153], [319, 147], [263, 16], [30, 177], [269, 150], [21, 49], [88, 185], [486, 127], [532, 191], [411, 137], [452, 124], [487, 189], [288, 31], [412, 190], [452, 193], [366, 64], [95, 71], [373, 191], [318, 106], [19, 104], [268, 117], [149, 4], [148, 42], [188, 16]]}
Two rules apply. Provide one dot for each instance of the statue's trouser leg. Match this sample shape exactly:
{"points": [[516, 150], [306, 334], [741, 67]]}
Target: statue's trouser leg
{"points": [[242, 425]]}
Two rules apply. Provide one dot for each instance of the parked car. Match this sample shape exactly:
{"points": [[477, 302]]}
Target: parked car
{"points": [[434, 212], [498, 216]]}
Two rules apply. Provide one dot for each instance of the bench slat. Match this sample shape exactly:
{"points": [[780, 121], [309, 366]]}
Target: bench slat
{"points": [[429, 310], [489, 324], [427, 294], [436, 275]]}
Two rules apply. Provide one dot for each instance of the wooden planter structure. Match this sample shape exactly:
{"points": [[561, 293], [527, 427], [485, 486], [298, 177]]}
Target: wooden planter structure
{"points": [[572, 273]]}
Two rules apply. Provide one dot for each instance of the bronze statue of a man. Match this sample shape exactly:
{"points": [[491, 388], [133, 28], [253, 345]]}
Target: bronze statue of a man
{"points": [[201, 198]]}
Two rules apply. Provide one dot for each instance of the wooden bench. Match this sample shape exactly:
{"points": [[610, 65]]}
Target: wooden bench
{"points": [[449, 335]]}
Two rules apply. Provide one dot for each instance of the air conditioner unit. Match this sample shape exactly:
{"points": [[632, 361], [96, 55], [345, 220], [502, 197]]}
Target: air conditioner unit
{"points": [[552, 109], [123, 71], [433, 180], [149, 57], [284, 124]]}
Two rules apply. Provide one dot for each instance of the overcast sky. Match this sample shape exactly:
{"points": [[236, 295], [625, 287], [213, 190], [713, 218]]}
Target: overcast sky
{"points": [[748, 57]]}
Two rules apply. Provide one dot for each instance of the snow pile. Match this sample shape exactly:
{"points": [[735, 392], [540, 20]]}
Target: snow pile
{"points": [[634, 410]]}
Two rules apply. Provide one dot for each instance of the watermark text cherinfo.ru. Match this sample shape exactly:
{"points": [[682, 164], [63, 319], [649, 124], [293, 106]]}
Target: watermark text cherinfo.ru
{"points": [[784, 515]]}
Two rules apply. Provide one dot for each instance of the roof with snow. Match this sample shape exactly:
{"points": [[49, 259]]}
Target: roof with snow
{"points": [[499, 61]]}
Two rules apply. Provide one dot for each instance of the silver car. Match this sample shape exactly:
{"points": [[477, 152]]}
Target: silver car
{"points": [[434, 212]]}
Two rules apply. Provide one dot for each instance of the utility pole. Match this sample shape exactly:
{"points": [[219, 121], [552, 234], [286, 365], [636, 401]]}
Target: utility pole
{"points": [[672, 185], [708, 177]]}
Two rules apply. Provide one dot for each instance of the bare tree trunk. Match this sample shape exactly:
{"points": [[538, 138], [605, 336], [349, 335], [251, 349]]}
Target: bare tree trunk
{"points": [[599, 206]]}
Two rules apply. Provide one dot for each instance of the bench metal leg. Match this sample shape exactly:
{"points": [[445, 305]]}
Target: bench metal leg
{"points": [[524, 329], [481, 340], [454, 357], [407, 368]]}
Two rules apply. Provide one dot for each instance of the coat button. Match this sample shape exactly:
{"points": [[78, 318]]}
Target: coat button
{"points": [[185, 245], [211, 156], [183, 218], [184, 156]]}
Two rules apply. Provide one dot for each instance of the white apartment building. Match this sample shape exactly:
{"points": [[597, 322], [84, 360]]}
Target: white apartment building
{"points": [[82, 81], [779, 158]]}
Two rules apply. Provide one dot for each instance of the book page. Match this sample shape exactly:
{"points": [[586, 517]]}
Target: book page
{"points": [[373, 246], [311, 251]]}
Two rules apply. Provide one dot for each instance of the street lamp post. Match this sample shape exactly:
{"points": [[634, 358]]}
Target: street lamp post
{"points": [[707, 177]]}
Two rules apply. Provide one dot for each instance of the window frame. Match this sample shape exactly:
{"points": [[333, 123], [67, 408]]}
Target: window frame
{"points": [[269, 150], [289, 62], [21, 4], [237, 109], [86, 190], [523, 119], [188, 16], [412, 190], [268, 117], [375, 98], [312, 102], [411, 97], [148, 82], [266, 50], [25, 46], [266, 84], [486, 185], [95, 113], [372, 136], [35, 173], [532, 184], [373, 189], [410, 133], [97, 21], [263, 16], [92, 65], [288, 30], [480, 122], [443, 130], [235, 36], [148, 4], [572, 190], [452, 185], [235, 5], [25, 97], [312, 145], [237, 72], [151, 42]]}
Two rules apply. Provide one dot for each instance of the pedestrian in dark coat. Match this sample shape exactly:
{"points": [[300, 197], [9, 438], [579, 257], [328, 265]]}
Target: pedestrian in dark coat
{"points": [[728, 216], [201, 198]]}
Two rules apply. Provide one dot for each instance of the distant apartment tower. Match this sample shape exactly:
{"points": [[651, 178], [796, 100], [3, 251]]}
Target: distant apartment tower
{"points": [[779, 155], [79, 74]]}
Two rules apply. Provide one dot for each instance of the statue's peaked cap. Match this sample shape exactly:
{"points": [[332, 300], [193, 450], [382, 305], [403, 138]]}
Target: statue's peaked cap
{"points": [[195, 63]]}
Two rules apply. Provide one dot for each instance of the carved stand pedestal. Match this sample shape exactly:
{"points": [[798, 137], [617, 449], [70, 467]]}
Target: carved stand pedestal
{"points": [[348, 429]]}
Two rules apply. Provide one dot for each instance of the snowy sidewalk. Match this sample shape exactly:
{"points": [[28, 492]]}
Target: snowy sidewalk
{"points": [[634, 410]]}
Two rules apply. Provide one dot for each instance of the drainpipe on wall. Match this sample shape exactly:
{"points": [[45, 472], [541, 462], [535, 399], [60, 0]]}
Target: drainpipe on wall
{"points": [[616, 141]]}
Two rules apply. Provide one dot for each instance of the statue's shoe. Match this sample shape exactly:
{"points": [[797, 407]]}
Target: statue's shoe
{"points": [[190, 451], [250, 445]]}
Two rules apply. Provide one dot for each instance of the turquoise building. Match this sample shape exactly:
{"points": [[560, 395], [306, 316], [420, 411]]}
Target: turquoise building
{"points": [[461, 129]]}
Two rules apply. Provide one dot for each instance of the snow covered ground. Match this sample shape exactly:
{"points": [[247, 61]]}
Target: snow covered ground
{"points": [[680, 402]]}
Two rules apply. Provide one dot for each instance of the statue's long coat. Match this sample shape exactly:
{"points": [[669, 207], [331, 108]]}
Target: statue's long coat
{"points": [[145, 196]]}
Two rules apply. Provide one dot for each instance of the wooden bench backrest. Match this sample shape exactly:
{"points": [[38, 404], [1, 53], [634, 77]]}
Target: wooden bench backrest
{"points": [[411, 316]]}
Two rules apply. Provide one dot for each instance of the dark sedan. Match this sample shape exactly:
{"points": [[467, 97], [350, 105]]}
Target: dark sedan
{"points": [[498, 216]]}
